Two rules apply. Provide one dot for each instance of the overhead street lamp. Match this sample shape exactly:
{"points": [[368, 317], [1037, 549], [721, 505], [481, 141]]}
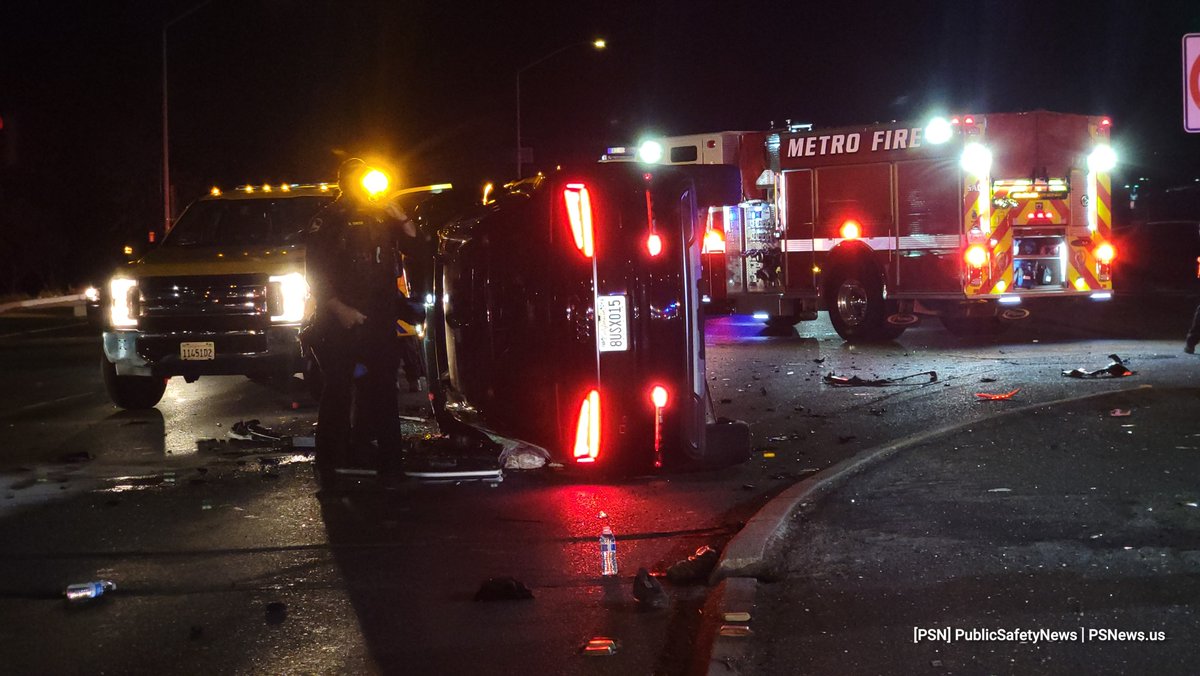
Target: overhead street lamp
{"points": [[166, 160], [597, 44]]}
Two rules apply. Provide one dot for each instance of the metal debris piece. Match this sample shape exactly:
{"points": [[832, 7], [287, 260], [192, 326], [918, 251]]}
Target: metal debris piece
{"points": [[987, 396], [855, 381], [503, 589], [1116, 369]]}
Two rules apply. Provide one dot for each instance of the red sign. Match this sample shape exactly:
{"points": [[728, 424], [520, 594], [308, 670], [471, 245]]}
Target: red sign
{"points": [[1191, 82]]}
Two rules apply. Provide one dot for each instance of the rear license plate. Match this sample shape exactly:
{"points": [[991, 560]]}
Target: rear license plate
{"points": [[197, 351], [612, 324]]}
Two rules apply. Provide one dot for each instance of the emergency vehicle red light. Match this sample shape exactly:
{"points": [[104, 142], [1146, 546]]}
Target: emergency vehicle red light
{"points": [[654, 244], [976, 256], [968, 120], [954, 120], [851, 230], [659, 397], [1105, 122], [1105, 253], [579, 213], [587, 429]]}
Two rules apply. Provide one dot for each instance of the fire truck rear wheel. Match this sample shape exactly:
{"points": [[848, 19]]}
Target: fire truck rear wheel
{"points": [[856, 306], [131, 392]]}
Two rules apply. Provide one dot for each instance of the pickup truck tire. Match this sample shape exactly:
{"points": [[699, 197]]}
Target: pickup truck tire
{"points": [[131, 392]]}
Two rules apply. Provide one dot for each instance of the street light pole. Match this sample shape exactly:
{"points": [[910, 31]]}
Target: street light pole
{"points": [[166, 136], [596, 44]]}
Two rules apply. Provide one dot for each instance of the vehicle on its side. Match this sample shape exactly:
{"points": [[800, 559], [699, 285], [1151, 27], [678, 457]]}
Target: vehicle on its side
{"points": [[567, 314], [223, 294]]}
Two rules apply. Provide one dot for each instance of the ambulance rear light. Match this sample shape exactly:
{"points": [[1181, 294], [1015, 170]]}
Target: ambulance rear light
{"points": [[587, 429], [1105, 122], [976, 256], [714, 241], [654, 244], [851, 229], [579, 214], [969, 120], [1105, 253]]}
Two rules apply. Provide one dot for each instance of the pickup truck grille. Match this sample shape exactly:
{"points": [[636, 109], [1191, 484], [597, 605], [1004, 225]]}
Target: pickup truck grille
{"points": [[203, 303]]}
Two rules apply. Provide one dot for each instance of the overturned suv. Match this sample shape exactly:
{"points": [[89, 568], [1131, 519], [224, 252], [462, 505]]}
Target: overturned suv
{"points": [[566, 312], [224, 294]]}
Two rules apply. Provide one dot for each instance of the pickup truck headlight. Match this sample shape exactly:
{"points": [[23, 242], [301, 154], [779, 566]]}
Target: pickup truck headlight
{"points": [[290, 292], [123, 300]]}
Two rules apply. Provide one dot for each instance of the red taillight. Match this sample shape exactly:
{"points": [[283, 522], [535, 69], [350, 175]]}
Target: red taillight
{"points": [[658, 396], [1105, 122], [1105, 253], [654, 244], [579, 213], [954, 120], [968, 120], [587, 429], [851, 230]]}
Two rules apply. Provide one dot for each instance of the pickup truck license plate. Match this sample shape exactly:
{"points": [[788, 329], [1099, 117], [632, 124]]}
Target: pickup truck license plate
{"points": [[612, 324], [197, 351]]}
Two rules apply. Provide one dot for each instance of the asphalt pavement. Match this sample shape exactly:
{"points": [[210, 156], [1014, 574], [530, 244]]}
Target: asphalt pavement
{"points": [[1050, 538]]}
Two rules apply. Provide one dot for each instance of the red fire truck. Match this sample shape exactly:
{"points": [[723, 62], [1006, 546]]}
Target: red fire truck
{"points": [[972, 218]]}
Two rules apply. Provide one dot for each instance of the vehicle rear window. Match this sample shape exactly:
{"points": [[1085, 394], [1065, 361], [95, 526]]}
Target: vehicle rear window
{"points": [[254, 222]]}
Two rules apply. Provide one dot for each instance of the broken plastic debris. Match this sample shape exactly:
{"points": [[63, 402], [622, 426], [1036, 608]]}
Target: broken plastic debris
{"points": [[1116, 369], [522, 455], [503, 589], [276, 612], [1119, 413], [987, 396], [601, 646], [855, 381], [695, 568], [648, 591], [251, 430]]}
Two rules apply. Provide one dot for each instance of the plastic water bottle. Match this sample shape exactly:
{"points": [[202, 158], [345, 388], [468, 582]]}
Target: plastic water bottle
{"points": [[608, 552], [89, 590]]}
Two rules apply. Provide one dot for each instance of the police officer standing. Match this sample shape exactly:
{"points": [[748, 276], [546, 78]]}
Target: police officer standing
{"points": [[354, 257]]}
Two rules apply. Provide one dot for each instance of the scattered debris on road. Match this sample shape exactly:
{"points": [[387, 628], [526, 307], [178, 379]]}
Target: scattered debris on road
{"points": [[521, 455], [695, 568], [855, 381], [1120, 413], [1116, 369], [503, 589], [999, 490], [648, 591], [252, 430], [86, 591], [276, 612], [1002, 396]]}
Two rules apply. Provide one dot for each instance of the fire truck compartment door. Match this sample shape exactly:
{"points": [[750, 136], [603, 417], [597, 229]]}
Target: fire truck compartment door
{"points": [[798, 219]]}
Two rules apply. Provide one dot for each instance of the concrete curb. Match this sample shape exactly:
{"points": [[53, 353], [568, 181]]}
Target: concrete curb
{"points": [[42, 302], [746, 555]]}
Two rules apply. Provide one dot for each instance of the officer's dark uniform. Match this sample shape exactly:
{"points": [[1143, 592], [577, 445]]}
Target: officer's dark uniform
{"points": [[353, 254]]}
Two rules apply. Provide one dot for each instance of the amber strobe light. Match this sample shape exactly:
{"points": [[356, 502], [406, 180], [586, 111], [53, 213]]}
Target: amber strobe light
{"points": [[587, 429], [579, 214]]}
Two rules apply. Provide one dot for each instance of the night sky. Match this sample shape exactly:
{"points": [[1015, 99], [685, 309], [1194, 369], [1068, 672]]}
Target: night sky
{"points": [[274, 90]]}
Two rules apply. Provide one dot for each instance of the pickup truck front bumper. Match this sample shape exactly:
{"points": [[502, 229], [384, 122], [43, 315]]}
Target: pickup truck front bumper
{"points": [[272, 351]]}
